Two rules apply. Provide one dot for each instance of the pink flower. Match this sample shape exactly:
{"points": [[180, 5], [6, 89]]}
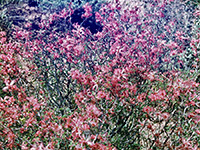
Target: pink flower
{"points": [[197, 111], [78, 49], [94, 110], [190, 115], [75, 74], [148, 109], [151, 76], [165, 115], [30, 122], [27, 25], [56, 55], [2, 33], [162, 94], [63, 13], [153, 97], [133, 88], [98, 17], [24, 146], [197, 13], [101, 94], [88, 10], [3, 39], [141, 97], [85, 127], [38, 133], [162, 15], [9, 85], [198, 132], [173, 53]]}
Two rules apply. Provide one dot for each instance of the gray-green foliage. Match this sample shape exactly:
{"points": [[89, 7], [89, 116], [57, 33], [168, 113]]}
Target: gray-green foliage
{"points": [[191, 56], [194, 2], [58, 5], [6, 2], [5, 24]]}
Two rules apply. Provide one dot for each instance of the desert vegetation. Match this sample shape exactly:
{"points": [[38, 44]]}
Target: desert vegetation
{"points": [[98, 75]]}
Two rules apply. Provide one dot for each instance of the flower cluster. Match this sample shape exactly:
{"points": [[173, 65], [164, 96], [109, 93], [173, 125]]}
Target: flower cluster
{"points": [[121, 88]]}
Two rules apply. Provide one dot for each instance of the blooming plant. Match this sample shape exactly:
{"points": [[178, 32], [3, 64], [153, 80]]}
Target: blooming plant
{"points": [[121, 88]]}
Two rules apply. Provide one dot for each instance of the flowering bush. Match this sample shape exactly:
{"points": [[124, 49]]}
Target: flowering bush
{"points": [[27, 122], [117, 89]]}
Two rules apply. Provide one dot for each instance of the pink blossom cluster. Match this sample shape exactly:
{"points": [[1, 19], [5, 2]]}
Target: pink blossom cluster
{"points": [[117, 89]]}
